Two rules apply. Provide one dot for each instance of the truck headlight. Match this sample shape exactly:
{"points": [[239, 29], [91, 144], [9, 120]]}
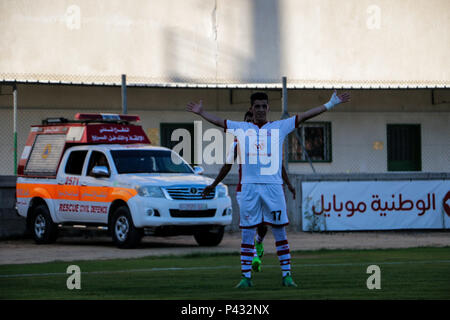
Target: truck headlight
{"points": [[222, 191], [150, 191]]}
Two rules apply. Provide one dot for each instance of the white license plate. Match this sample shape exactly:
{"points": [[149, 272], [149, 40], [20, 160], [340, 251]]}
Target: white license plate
{"points": [[193, 206]]}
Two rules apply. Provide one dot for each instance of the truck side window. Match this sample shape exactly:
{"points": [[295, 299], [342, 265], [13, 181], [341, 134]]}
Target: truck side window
{"points": [[75, 162], [97, 159]]}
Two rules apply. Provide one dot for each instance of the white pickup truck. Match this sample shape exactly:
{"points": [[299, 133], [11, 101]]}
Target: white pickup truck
{"points": [[87, 173]]}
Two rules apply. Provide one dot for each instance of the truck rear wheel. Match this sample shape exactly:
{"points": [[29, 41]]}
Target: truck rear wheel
{"points": [[42, 227], [125, 235], [209, 237]]}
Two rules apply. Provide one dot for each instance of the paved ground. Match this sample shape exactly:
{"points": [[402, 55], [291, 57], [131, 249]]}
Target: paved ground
{"points": [[68, 249]]}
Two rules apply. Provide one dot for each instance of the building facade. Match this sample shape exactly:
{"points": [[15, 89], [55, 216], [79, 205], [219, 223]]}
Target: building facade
{"points": [[392, 55]]}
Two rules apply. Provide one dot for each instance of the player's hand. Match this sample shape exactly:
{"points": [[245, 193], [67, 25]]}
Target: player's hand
{"points": [[208, 190], [292, 190], [195, 107], [344, 97], [337, 99]]}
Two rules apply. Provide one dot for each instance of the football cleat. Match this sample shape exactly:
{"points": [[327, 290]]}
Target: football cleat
{"points": [[256, 264], [288, 281], [259, 249], [245, 283]]}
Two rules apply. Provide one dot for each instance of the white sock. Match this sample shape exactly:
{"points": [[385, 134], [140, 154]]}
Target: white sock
{"points": [[247, 251], [283, 252]]}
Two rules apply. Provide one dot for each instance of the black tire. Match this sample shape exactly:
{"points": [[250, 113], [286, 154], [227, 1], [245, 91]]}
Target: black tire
{"points": [[124, 234], [42, 227], [210, 237]]}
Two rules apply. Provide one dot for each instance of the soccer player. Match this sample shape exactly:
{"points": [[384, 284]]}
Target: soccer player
{"points": [[262, 228], [260, 145]]}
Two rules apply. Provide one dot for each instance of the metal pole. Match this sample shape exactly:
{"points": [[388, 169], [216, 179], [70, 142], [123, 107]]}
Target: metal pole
{"points": [[15, 126], [284, 99], [285, 115], [124, 94]]}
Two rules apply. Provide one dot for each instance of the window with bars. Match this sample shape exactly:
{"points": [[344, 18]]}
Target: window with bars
{"points": [[404, 147], [316, 140], [166, 130]]}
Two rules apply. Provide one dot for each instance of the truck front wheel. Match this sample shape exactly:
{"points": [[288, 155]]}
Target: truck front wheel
{"points": [[209, 237], [125, 235], [43, 228]]}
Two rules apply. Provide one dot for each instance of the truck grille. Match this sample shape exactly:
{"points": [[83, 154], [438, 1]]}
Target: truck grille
{"points": [[175, 213], [188, 193]]}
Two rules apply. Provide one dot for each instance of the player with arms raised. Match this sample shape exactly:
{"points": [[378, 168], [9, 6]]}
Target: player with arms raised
{"points": [[262, 228], [262, 197]]}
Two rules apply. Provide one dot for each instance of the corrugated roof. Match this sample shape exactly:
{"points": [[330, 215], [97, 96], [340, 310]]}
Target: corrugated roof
{"points": [[298, 84]]}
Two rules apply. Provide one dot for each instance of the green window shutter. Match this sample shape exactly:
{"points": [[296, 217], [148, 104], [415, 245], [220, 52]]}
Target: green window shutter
{"points": [[404, 147], [166, 134]]}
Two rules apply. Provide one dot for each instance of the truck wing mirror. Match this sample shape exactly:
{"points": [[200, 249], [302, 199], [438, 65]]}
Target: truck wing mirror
{"points": [[100, 171], [198, 170]]}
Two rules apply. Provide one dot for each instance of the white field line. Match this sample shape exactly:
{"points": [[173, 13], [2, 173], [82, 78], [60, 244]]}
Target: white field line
{"points": [[306, 265]]}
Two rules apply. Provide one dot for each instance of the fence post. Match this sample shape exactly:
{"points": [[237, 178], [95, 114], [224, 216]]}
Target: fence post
{"points": [[285, 115], [15, 126], [124, 94]]}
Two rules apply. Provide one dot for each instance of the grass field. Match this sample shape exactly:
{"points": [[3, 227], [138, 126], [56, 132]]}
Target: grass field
{"points": [[416, 273]]}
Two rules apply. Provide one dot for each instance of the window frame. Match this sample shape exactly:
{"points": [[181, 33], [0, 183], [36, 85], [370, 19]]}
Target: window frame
{"points": [[82, 166], [420, 153], [179, 125], [328, 137], [114, 154], [86, 173]]}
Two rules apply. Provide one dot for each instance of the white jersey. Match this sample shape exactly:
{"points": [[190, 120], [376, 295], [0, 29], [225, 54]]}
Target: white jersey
{"points": [[261, 148]]}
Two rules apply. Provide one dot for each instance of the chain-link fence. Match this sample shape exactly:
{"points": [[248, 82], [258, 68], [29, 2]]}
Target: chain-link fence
{"points": [[322, 150], [335, 142]]}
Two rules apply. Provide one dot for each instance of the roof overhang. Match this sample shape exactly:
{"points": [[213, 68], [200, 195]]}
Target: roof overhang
{"points": [[309, 85]]}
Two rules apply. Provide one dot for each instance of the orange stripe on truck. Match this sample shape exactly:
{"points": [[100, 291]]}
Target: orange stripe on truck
{"points": [[68, 192]]}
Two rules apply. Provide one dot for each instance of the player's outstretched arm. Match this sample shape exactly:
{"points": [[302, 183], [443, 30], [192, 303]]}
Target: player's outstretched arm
{"points": [[334, 101], [222, 174], [197, 108]]}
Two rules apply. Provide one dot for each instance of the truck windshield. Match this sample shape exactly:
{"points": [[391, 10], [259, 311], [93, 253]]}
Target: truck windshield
{"points": [[148, 161]]}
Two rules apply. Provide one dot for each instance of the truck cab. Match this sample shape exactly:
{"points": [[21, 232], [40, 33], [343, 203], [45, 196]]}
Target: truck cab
{"points": [[94, 176]]}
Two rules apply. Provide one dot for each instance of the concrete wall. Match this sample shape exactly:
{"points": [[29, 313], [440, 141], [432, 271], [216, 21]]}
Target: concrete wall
{"points": [[223, 41], [11, 224]]}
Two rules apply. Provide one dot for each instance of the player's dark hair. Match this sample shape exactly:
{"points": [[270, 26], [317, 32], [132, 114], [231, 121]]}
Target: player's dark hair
{"points": [[248, 114], [258, 96]]}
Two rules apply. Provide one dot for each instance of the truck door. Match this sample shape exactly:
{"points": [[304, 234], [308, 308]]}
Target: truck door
{"points": [[94, 190], [68, 188]]}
